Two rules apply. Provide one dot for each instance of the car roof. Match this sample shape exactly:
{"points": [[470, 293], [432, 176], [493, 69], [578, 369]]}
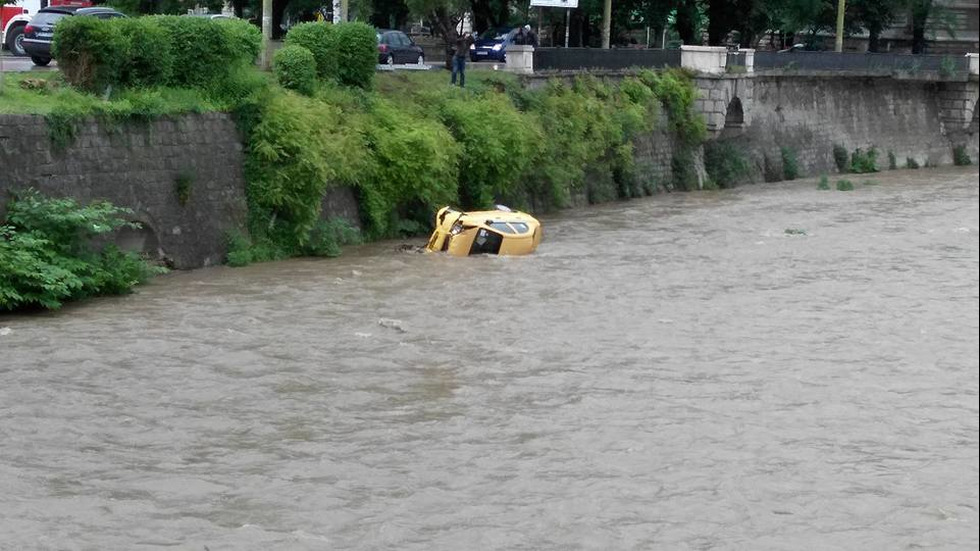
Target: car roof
{"points": [[95, 9], [76, 10]]}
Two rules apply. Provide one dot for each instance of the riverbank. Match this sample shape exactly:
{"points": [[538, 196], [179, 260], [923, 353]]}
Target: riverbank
{"points": [[273, 176]]}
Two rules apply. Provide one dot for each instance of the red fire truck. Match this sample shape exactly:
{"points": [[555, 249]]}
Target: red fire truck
{"points": [[13, 18]]}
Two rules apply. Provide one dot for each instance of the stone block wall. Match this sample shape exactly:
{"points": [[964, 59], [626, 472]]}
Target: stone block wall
{"points": [[810, 115], [138, 166]]}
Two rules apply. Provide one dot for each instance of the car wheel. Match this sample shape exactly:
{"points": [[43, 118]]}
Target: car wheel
{"points": [[390, 60], [420, 60], [15, 41], [40, 61]]}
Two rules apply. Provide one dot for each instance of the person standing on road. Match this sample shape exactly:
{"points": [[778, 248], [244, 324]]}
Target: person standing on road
{"points": [[530, 38], [463, 44]]}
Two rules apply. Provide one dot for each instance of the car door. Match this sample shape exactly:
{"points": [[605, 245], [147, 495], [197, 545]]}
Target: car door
{"points": [[406, 53], [396, 46], [391, 44]]}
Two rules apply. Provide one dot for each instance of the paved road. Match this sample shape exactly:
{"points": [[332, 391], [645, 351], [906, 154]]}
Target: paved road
{"points": [[13, 64]]}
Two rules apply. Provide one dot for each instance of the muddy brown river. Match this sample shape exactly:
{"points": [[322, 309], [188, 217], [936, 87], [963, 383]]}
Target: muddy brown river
{"points": [[771, 367]]}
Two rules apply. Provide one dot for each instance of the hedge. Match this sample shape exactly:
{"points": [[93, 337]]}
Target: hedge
{"points": [[90, 52], [295, 69], [318, 38], [345, 53], [152, 51]]}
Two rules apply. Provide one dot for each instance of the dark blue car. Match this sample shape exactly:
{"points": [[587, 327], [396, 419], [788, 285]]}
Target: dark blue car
{"points": [[492, 45]]}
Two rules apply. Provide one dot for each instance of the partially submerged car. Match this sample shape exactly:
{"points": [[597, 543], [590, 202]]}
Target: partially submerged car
{"points": [[501, 231]]}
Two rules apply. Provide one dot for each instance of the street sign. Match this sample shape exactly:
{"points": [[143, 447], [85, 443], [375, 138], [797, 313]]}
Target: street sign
{"points": [[568, 4]]}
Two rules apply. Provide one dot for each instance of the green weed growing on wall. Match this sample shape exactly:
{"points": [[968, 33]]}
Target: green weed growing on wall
{"points": [[961, 157], [791, 167], [725, 163], [841, 158], [863, 162]]}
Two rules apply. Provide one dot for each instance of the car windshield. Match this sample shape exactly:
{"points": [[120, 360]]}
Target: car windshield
{"points": [[47, 18]]}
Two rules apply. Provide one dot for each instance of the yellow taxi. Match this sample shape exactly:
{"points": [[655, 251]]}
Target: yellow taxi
{"points": [[500, 231]]}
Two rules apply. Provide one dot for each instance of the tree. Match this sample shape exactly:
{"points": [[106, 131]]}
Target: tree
{"points": [[873, 15], [490, 14], [445, 15]]}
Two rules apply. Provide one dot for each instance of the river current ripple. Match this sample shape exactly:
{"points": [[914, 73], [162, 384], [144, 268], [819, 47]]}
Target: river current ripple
{"points": [[679, 372]]}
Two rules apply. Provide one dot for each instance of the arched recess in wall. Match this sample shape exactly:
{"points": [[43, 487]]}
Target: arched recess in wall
{"points": [[734, 116], [142, 239]]}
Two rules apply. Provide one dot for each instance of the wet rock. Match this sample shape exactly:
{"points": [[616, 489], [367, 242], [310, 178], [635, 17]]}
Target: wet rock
{"points": [[391, 324]]}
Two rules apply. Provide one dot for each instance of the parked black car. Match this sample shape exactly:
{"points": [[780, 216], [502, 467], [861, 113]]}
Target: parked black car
{"points": [[397, 47], [38, 33]]}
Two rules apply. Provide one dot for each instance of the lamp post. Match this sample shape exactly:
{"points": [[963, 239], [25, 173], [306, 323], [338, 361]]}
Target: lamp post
{"points": [[266, 33], [839, 38], [607, 22]]}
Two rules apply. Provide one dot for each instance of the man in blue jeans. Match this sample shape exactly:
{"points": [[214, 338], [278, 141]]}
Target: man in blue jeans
{"points": [[463, 44]]}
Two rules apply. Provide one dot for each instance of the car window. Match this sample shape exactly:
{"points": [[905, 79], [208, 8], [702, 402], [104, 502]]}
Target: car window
{"points": [[404, 39], [502, 227], [486, 242], [47, 18], [519, 227]]}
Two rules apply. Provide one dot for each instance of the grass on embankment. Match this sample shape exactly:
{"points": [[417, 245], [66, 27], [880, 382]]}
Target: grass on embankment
{"points": [[43, 93]]}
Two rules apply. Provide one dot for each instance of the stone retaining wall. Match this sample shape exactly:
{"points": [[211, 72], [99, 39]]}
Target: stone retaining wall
{"points": [[811, 115], [138, 166]]}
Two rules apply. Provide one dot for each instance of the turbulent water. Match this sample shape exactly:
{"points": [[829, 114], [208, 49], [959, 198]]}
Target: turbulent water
{"points": [[773, 367]]}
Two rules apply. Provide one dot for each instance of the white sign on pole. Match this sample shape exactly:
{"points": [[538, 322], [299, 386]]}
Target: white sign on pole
{"points": [[337, 16], [568, 4]]}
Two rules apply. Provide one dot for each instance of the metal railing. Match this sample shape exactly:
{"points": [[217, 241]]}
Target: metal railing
{"points": [[576, 59], [736, 59], [947, 66]]}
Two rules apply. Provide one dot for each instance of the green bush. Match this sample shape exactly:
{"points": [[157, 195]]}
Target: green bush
{"points": [[47, 255], [725, 164], [356, 46], [94, 53], [206, 50], [497, 147], [319, 39], [824, 184], [327, 236], [791, 168], [297, 149], [863, 162], [841, 158], [587, 131], [244, 38], [295, 69], [892, 160], [682, 168], [845, 185], [415, 169], [149, 58], [90, 53], [911, 163], [675, 89], [961, 157]]}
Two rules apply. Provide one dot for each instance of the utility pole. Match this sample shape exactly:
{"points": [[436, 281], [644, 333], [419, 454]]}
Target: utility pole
{"points": [[607, 22], [839, 39], [266, 34], [344, 11]]}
